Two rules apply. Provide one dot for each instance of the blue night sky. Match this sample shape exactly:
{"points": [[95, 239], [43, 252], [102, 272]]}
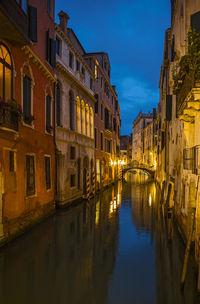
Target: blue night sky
{"points": [[132, 33]]}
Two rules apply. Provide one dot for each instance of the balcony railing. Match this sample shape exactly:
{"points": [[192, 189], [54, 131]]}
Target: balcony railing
{"points": [[9, 119], [182, 92]]}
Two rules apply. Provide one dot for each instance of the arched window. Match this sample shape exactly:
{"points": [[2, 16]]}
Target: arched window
{"points": [[83, 117], [78, 107], [71, 110], [87, 120], [91, 123], [6, 73]]}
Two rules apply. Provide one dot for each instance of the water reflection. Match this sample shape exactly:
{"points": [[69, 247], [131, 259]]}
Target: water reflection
{"points": [[117, 249]]}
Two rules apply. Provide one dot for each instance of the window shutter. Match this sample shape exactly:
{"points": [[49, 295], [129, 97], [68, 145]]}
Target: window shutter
{"points": [[33, 23], [169, 107], [195, 21], [25, 96], [58, 105], [96, 103], [47, 46], [53, 53], [48, 111], [172, 49]]}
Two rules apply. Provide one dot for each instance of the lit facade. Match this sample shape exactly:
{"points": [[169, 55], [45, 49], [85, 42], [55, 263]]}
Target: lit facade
{"points": [[74, 117], [27, 152], [179, 120], [107, 121]]}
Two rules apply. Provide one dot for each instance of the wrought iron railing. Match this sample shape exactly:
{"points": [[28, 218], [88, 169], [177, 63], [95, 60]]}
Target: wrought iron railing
{"points": [[9, 119], [182, 92]]}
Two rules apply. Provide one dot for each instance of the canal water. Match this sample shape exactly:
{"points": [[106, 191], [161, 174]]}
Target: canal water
{"points": [[114, 250]]}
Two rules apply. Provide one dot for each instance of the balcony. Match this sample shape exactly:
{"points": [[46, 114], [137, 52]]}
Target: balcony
{"points": [[14, 22], [9, 119]]}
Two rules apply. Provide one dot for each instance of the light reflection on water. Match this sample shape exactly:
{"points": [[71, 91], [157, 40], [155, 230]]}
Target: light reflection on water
{"points": [[112, 250]]}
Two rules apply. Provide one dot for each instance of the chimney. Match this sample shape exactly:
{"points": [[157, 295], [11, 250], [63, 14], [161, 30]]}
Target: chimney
{"points": [[63, 21]]}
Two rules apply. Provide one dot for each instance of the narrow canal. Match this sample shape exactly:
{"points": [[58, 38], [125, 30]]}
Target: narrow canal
{"points": [[114, 250]]}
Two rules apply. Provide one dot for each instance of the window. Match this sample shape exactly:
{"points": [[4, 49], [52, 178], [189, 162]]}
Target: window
{"points": [[6, 71], [91, 83], [11, 161], [58, 104], [195, 21], [58, 46], [101, 141], [114, 124], [48, 114], [30, 175], [107, 146], [96, 103], [96, 71], [95, 137], [50, 7], [71, 110], [72, 152], [116, 105], [101, 111], [83, 72], [32, 14], [71, 58], [72, 180], [77, 65], [48, 172], [50, 50], [107, 126], [28, 118]]}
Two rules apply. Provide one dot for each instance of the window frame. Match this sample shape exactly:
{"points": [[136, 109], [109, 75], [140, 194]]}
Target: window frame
{"points": [[33, 192], [48, 181], [8, 66]]}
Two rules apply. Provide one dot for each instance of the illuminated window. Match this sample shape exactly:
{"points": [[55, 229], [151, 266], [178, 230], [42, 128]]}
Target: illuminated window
{"points": [[96, 72], [6, 71]]}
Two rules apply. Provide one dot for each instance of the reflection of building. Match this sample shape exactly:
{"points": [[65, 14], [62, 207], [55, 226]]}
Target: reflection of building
{"points": [[144, 194], [106, 121], [68, 252], [74, 116], [27, 149]]}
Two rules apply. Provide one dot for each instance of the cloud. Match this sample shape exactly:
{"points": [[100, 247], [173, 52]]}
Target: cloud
{"points": [[135, 95]]}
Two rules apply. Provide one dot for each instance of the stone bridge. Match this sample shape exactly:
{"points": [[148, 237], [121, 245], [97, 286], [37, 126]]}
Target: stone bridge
{"points": [[131, 166]]}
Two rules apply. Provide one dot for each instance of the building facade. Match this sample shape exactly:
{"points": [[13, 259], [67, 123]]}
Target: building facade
{"points": [[106, 122], [27, 153], [178, 165], [140, 139], [74, 117]]}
